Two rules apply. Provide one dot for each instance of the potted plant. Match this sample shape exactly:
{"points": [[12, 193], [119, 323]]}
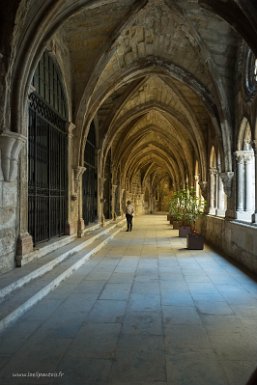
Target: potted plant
{"points": [[187, 207], [178, 212], [174, 210], [196, 206]]}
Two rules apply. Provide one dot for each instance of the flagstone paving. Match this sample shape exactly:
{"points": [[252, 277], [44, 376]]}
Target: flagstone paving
{"points": [[142, 311]]}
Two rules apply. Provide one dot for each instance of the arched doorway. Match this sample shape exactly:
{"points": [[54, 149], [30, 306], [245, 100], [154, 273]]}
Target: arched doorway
{"points": [[47, 153]]}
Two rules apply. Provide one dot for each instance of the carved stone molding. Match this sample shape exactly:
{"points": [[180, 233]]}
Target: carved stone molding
{"points": [[227, 178], [10, 146]]}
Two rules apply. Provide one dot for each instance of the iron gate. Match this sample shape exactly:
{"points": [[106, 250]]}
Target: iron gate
{"points": [[47, 185], [90, 179], [108, 188]]}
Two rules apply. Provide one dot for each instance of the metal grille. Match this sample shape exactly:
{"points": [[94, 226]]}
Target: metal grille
{"points": [[47, 184], [108, 188], [117, 195], [117, 201], [48, 85], [90, 180]]}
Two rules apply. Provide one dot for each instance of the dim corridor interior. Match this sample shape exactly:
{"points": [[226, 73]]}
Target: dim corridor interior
{"points": [[144, 310]]}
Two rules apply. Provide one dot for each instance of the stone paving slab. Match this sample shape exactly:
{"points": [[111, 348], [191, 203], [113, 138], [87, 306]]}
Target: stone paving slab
{"points": [[142, 311]]}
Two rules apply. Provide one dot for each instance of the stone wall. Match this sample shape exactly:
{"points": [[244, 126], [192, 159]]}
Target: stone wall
{"points": [[8, 224], [235, 239]]}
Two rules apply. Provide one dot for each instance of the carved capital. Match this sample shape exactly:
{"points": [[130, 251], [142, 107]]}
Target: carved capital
{"points": [[10, 146], [244, 156], [227, 178]]}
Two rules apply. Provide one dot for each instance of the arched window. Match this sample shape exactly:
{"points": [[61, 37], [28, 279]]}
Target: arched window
{"points": [[90, 179], [47, 153], [245, 174]]}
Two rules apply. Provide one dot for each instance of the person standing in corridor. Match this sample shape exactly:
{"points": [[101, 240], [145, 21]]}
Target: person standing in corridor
{"points": [[129, 215]]}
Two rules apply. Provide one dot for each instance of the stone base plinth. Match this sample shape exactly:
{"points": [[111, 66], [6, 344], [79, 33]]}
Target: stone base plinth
{"points": [[24, 246], [81, 227]]}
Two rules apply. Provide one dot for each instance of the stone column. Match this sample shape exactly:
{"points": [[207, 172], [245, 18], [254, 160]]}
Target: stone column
{"points": [[220, 197], [114, 188], [24, 241], [77, 175], [123, 202], [212, 209], [249, 204], [100, 188], [240, 182], [12, 144], [255, 160], [70, 228], [228, 179]]}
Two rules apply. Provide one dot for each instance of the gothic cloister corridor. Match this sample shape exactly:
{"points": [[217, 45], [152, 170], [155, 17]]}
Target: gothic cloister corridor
{"points": [[105, 102], [144, 310]]}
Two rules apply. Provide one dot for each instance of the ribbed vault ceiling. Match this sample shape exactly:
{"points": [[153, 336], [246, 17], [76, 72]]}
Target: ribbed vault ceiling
{"points": [[155, 75]]}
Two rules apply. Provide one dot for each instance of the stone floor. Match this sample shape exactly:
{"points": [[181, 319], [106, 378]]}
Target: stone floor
{"points": [[143, 311]]}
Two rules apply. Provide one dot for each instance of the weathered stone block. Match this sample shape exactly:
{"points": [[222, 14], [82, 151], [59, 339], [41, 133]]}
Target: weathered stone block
{"points": [[7, 262], [8, 217], [9, 194]]}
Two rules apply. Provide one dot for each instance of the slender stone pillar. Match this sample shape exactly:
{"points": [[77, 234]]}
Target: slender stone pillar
{"points": [[240, 182], [220, 197], [123, 201], [228, 183], [212, 209], [78, 172], [70, 228], [249, 204], [100, 188], [255, 160], [114, 187]]}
